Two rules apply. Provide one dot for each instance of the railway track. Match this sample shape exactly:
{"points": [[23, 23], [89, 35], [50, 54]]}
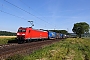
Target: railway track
{"points": [[26, 48]]}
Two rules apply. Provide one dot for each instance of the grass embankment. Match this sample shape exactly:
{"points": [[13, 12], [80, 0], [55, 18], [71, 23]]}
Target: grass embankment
{"points": [[5, 39], [69, 49]]}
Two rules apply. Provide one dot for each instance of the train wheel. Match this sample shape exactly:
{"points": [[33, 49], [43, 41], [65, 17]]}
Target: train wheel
{"points": [[42, 39], [20, 41], [27, 41]]}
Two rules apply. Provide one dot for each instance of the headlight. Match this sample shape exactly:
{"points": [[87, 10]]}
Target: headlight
{"points": [[18, 34]]}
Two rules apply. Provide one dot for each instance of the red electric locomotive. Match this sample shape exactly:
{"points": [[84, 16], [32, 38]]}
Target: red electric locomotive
{"points": [[26, 34]]}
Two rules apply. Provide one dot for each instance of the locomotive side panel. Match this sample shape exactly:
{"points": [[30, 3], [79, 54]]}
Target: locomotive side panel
{"points": [[36, 34]]}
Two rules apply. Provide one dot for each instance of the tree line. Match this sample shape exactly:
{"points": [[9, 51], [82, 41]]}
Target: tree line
{"points": [[78, 28], [60, 31], [6, 33]]}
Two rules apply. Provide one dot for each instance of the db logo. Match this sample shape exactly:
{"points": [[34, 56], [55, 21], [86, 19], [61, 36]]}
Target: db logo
{"points": [[53, 34]]}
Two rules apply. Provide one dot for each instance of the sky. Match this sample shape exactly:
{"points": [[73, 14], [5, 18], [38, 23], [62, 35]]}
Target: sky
{"points": [[45, 14]]}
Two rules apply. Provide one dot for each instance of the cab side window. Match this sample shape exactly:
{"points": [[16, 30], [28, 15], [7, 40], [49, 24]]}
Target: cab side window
{"points": [[29, 31]]}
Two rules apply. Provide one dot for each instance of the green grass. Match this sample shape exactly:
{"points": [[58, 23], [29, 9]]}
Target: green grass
{"points": [[16, 57], [69, 49], [5, 40]]}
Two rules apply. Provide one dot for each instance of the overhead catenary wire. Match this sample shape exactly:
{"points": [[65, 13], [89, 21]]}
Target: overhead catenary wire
{"points": [[28, 6], [32, 9], [23, 10], [36, 11], [13, 15], [1, 10], [26, 11]]}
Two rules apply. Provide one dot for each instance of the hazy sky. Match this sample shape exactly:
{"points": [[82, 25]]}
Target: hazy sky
{"points": [[45, 14]]}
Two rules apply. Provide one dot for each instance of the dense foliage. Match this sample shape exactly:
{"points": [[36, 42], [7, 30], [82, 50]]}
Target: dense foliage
{"points": [[6, 33], [80, 28]]}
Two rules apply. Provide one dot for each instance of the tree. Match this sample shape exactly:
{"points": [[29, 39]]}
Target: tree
{"points": [[80, 28]]}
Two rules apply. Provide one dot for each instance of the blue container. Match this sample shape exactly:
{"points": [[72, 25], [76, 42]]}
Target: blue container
{"points": [[51, 35], [61, 35]]}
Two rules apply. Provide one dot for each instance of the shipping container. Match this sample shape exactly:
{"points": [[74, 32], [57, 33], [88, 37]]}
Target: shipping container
{"points": [[58, 35], [51, 35]]}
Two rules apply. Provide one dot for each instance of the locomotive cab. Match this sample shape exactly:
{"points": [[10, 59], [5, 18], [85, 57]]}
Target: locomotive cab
{"points": [[21, 34]]}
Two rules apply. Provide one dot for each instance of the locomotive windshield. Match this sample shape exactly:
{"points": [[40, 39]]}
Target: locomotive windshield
{"points": [[21, 30]]}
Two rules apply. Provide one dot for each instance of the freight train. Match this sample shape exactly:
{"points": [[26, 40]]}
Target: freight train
{"points": [[30, 34]]}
